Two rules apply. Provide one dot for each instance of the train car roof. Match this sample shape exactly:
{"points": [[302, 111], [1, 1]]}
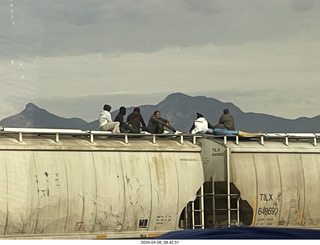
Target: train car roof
{"points": [[271, 142], [76, 139], [87, 140]]}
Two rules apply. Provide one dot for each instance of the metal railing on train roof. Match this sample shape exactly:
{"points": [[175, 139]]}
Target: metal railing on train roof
{"points": [[91, 134]]}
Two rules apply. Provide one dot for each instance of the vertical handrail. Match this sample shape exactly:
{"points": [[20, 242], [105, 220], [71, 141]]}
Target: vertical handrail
{"points": [[91, 138], [153, 138], [238, 211], [213, 205], [228, 187], [225, 139], [57, 137], [286, 140], [192, 215], [181, 139]]}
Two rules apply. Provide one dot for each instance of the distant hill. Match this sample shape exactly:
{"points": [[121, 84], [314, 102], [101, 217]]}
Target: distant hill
{"points": [[180, 110], [35, 117]]}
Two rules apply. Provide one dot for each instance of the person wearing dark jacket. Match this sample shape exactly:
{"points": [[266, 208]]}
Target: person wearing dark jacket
{"points": [[227, 120], [135, 119], [119, 118], [156, 124], [124, 127]]}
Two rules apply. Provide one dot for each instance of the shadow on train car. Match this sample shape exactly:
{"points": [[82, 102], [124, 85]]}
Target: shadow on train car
{"points": [[243, 233]]}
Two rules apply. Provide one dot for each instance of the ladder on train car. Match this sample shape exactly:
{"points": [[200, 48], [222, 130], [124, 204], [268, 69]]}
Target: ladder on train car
{"points": [[229, 209], [222, 205], [197, 217]]}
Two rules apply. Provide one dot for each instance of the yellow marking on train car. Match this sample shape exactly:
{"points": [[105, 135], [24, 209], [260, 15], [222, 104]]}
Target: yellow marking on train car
{"points": [[102, 236], [254, 212], [300, 217], [154, 234]]}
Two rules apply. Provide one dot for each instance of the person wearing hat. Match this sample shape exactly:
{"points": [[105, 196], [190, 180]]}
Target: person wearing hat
{"points": [[226, 121], [136, 121], [105, 120], [201, 126]]}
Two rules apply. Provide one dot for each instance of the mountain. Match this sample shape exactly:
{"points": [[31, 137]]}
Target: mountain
{"points": [[35, 117], [180, 109]]}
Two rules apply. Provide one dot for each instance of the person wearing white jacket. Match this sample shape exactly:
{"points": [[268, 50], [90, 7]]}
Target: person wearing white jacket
{"points": [[201, 125], [105, 120]]}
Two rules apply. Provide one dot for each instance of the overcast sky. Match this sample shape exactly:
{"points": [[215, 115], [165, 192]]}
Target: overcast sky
{"points": [[72, 56]]}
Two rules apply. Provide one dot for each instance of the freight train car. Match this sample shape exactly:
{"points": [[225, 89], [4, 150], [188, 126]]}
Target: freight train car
{"points": [[272, 180], [78, 184], [92, 184]]}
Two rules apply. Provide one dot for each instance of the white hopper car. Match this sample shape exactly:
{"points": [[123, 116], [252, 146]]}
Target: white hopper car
{"points": [[75, 184], [92, 184], [272, 180]]}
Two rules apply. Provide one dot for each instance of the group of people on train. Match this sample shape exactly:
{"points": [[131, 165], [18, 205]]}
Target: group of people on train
{"points": [[158, 125]]}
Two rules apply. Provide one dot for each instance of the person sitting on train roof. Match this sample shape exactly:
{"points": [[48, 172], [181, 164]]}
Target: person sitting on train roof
{"points": [[124, 127], [226, 121], [105, 120], [135, 119], [201, 126], [156, 124]]}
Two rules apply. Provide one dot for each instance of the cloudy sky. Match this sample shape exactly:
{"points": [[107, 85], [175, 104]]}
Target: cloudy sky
{"points": [[72, 56]]}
